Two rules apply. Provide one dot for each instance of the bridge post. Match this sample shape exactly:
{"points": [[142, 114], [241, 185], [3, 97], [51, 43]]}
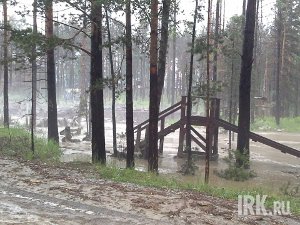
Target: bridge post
{"points": [[182, 125], [146, 149], [161, 140], [138, 139], [215, 114]]}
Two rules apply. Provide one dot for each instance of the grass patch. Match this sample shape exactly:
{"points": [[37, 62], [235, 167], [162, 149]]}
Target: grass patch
{"points": [[162, 181], [137, 177], [269, 124], [16, 142]]}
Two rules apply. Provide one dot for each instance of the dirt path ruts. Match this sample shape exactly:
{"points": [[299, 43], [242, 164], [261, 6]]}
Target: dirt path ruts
{"points": [[39, 194]]}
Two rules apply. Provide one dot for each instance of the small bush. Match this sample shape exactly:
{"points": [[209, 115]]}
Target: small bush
{"points": [[235, 172]]}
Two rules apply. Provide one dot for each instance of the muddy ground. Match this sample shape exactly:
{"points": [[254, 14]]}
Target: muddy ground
{"points": [[32, 193]]}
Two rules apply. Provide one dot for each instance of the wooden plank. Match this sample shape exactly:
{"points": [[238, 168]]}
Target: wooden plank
{"points": [[169, 129], [198, 142], [172, 108], [198, 134], [198, 121]]}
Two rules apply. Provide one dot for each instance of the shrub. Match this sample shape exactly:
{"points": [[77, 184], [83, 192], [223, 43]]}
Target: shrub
{"points": [[235, 172]]}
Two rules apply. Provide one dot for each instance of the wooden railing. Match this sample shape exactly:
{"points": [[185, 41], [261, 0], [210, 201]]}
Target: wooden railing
{"points": [[215, 123], [258, 138]]}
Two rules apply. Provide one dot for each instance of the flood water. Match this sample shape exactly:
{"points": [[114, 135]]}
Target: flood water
{"points": [[273, 168]]}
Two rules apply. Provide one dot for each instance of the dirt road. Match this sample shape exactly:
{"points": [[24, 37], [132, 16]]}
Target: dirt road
{"points": [[39, 194]]}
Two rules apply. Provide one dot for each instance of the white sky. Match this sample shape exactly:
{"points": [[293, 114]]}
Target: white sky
{"points": [[232, 7]]}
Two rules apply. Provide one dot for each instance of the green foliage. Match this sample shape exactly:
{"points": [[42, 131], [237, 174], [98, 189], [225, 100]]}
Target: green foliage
{"points": [[16, 142], [200, 89], [25, 39], [100, 84], [235, 172], [287, 124]]}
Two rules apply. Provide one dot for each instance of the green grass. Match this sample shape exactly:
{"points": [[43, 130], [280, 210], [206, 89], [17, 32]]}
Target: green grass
{"points": [[162, 181], [269, 124], [16, 142]]}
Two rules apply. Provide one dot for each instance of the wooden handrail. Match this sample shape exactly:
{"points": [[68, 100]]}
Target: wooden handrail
{"points": [[261, 139], [162, 114]]}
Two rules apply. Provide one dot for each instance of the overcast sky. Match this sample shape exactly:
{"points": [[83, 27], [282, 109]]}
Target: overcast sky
{"points": [[232, 7]]}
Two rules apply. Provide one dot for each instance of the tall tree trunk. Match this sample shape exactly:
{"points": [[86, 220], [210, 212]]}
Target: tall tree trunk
{"points": [[189, 93], [244, 13], [34, 76], [296, 113], [113, 77], [208, 130], [231, 97], [129, 101], [153, 104], [174, 54], [11, 67], [5, 65], [224, 16], [216, 42], [51, 79], [278, 69], [255, 76], [245, 84], [96, 89], [163, 47]]}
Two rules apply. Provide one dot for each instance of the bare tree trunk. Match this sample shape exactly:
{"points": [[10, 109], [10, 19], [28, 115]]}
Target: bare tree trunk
{"points": [[129, 101], [208, 147], [278, 69], [255, 76], [296, 113], [112, 72], [34, 76], [96, 89], [153, 105], [5, 65], [189, 93], [245, 84], [216, 42], [11, 67], [174, 54], [224, 9], [244, 8], [51, 79], [231, 97], [163, 47]]}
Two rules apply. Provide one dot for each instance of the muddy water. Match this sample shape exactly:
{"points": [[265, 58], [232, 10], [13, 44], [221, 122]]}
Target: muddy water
{"points": [[274, 169]]}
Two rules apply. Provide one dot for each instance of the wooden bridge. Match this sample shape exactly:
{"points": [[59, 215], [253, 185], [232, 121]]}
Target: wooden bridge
{"points": [[215, 123]]}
